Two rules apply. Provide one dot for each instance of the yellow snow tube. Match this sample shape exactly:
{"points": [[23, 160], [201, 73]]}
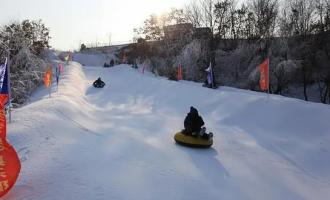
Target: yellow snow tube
{"points": [[192, 141]]}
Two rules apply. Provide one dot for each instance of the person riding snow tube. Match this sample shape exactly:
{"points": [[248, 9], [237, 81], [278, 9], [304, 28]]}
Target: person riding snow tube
{"points": [[99, 83], [194, 134]]}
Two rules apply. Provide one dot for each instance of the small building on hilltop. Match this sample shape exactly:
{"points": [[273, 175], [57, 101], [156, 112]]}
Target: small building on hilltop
{"points": [[178, 32]]}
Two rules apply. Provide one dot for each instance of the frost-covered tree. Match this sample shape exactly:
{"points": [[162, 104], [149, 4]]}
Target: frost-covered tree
{"points": [[24, 42], [26, 75], [32, 34], [194, 58]]}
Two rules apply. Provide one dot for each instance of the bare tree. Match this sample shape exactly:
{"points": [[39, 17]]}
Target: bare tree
{"points": [[303, 15], [208, 13], [285, 22], [249, 25], [241, 17], [193, 14], [327, 16], [222, 13], [323, 15], [265, 13]]}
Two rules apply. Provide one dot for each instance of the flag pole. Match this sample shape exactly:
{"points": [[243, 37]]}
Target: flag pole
{"points": [[50, 85], [268, 78], [50, 90], [57, 77], [9, 87]]}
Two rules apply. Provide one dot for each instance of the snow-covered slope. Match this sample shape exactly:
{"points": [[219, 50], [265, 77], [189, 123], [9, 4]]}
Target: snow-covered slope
{"points": [[117, 142]]}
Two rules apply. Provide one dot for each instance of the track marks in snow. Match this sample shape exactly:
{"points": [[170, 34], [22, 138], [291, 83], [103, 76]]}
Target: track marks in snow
{"points": [[77, 124]]}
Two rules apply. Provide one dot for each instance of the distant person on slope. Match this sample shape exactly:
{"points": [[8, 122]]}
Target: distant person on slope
{"points": [[193, 125], [112, 63], [99, 83]]}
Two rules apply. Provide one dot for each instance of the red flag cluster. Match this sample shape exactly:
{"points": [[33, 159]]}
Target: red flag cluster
{"points": [[10, 164]]}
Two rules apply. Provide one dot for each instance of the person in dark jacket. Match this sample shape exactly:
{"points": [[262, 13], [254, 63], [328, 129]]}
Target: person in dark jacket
{"points": [[99, 83], [193, 125], [193, 122]]}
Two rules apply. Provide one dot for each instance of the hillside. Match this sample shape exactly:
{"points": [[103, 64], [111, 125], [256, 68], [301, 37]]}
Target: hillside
{"points": [[117, 142]]}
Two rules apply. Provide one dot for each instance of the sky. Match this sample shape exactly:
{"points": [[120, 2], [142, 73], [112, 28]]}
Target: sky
{"points": [[72, 22]]}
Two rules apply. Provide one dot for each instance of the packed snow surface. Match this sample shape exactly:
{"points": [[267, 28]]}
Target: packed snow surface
{"points": [[117, 142]]}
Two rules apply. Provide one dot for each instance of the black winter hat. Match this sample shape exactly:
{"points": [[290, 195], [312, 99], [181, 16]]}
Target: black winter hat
{"points": [[193, 110]]}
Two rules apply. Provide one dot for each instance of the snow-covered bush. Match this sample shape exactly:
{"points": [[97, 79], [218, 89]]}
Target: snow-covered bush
{"points": [[194, 59], [236, 66], [284, 74]]}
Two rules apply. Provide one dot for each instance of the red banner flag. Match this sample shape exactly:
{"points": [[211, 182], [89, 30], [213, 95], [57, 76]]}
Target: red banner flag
{"points": [[48, 78], [3, 123], [264, 75], [10, 167], [179, 72]]}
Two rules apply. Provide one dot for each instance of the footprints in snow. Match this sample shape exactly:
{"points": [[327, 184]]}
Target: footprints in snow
{"points": [[23, 153]]}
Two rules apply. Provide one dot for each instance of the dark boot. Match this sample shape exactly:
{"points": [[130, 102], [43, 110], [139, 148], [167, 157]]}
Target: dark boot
{"points": [[202, 132], [210, 136], [207, 136]]}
